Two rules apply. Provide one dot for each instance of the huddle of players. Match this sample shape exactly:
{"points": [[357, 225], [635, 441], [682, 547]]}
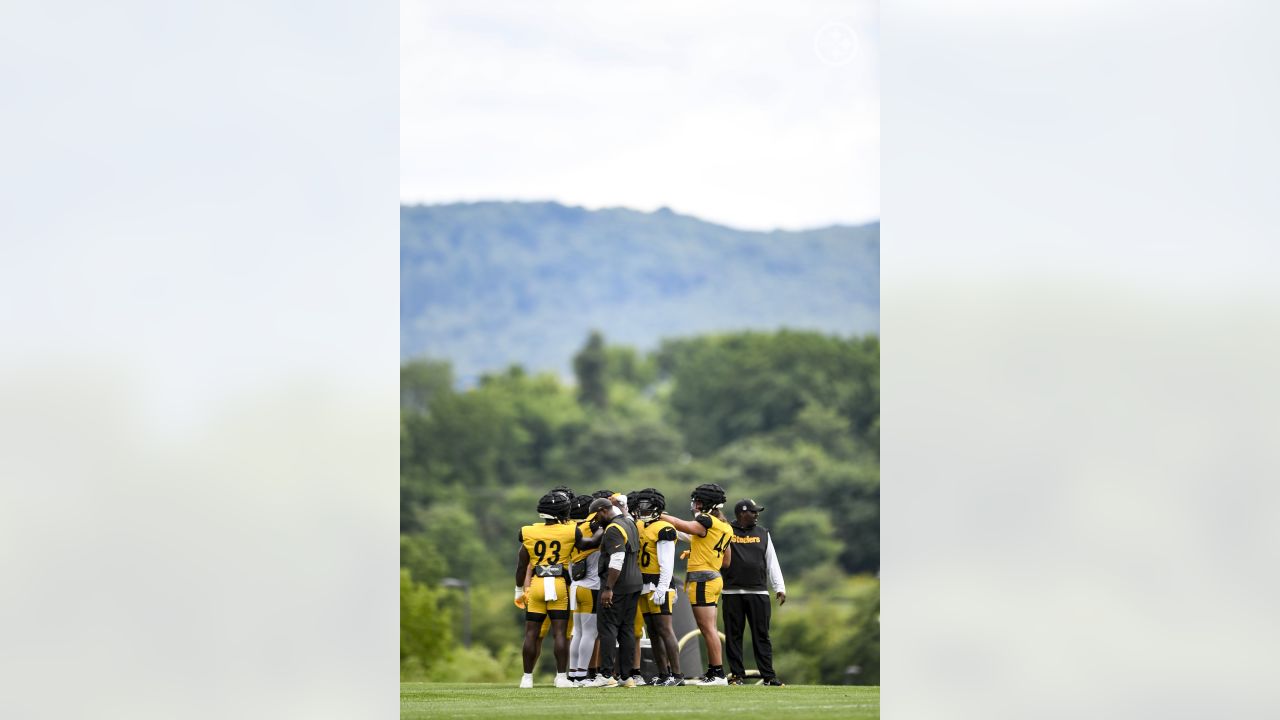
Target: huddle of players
{"points": [[560, 568]]}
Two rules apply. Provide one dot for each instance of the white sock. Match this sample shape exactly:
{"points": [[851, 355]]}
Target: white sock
{"points": [[527, 676], [561, 676]]}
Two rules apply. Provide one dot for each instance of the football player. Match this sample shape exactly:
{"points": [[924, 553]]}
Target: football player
{"points": [[709, 550], [547, 547], [584, 593], [528, 578], [637, 629], [657, 560]]}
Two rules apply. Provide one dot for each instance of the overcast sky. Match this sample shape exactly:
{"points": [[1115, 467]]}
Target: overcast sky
{"points": [[756, 115]]}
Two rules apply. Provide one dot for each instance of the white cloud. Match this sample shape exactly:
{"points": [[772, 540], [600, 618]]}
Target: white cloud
{"points": [[723, 110]]}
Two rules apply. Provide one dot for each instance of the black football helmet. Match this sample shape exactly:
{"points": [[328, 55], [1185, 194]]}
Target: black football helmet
{"points": [[650, 503], [709, 495], [578, 507], [554, 506]]}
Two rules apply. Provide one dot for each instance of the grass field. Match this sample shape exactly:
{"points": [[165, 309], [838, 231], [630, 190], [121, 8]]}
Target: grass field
{"points": [[432, 700]]}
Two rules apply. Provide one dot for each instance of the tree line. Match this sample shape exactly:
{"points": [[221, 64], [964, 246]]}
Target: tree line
{"points": [[788, 418]]}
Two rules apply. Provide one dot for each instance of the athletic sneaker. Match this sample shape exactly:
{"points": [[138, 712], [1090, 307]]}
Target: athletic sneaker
{"points": [[735, 680], [773, 682], [708, 682], [656, 680], [526, 681], [601, 681], [673, 681], [636, 680], [564, 682]]}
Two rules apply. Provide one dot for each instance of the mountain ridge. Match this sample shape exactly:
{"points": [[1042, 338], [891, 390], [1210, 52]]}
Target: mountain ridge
{"points": [[486, 284]]}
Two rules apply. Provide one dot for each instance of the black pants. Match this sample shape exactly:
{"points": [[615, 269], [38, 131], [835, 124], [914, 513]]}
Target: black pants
{"points": [[755, 609], [616, 625]]}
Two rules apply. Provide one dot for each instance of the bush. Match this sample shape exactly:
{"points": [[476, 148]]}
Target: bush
{"points": [[822, 640], [425, 634], [465, 665]]}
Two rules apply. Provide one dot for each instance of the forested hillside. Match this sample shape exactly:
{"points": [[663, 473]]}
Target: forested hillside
{"points": [[490, 284], [789, 418]]}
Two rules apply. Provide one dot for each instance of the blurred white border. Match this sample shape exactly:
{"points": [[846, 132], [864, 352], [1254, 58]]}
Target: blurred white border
{"points": [[1080, 337], [198, 372]]}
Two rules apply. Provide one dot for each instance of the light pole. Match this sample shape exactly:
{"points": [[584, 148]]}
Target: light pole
{"points": [[466, 606]]}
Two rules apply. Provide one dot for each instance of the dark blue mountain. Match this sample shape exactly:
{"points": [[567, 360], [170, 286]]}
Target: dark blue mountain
{"points": [[489, 284]]}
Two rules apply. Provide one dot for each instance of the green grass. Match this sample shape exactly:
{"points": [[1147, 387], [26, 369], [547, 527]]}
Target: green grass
{"points": [[435, 700]]}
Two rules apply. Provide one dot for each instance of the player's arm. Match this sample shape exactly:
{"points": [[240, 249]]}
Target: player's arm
{"points": [[728, 556], [666, 561], [522, 565], [522, 570], [588, 543], [691, 527], [774, 570]]}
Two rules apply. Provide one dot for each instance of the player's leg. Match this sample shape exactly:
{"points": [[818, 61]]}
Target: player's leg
{"points": [[655, 642], [558, 613], [542, 633], [637, 632], [610, 627], [667, 638], [759, 610], [533, 622], [577, 665], [704, 597], [735, 618], [593, 668], [584, 639], [626, 606], [705, 617], [590, 624], [560, 642]]}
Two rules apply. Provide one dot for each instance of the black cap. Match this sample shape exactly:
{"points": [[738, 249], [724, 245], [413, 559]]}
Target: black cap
{"points": [[747, 504]]}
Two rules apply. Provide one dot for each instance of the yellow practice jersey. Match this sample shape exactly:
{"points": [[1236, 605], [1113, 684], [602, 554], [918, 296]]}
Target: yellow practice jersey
{"points": [[706, 552], [549, 544], [584, 529], [650, 534]]}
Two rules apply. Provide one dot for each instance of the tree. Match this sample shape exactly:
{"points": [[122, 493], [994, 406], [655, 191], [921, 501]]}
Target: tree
{"points": [[733, 386], [422, 559], [422, 381], [425, 628], [806, 538], [589, 367]]}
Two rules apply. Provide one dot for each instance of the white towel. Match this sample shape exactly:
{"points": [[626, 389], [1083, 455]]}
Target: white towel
{"points": [[549, 589], [573, 597]]}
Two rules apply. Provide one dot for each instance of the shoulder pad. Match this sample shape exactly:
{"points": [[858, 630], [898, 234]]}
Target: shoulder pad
{"points": [[704, 520], [667, 533]]}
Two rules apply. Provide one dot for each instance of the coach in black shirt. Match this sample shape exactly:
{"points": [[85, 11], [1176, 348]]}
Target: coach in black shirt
{"points": [[620, 583], [746, 598]]}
